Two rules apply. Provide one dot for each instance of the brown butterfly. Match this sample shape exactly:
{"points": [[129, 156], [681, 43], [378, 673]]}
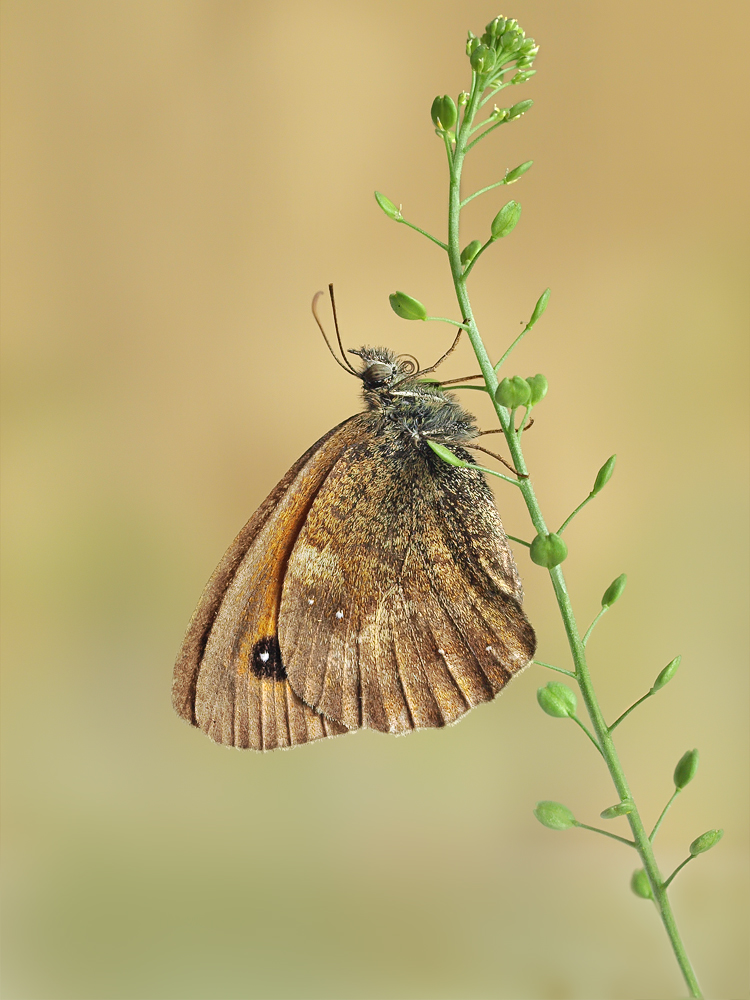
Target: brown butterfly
{"points": [[374, 587]]}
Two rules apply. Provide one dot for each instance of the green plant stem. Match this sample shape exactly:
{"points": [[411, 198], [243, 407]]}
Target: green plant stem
{"points": [[578, 509], [605, 833], [627, 711], [405, 222], [601, 731], [485, 133], [517, 341], [678, 869], [520, 541], [593, 625], [484, 190], [664, 812], [444, 319], [559, 670], [586, 730], [477, 255]]}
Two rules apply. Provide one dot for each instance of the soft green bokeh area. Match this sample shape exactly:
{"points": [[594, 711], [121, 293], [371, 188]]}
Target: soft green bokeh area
{"points": [[179, 179]]}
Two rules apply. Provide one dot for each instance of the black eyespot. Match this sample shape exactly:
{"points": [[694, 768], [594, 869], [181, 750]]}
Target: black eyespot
{"points": [[266, 659]]}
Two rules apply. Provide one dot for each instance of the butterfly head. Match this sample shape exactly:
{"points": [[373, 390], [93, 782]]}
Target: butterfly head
{"points": [[382, 370]]}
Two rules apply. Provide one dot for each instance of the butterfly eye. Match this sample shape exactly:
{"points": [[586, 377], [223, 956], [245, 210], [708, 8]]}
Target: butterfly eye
{"points": [[377, 374]]}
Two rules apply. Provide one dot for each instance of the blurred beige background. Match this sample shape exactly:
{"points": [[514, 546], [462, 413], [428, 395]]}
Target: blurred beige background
{"points": [[179, 179]]}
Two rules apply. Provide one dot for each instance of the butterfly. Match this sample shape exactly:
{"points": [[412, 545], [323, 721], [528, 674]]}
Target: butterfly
{"points": [[373, 588]]}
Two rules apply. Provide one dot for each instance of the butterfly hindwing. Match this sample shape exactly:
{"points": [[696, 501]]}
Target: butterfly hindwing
{"points": [[400, 606], [230, 678]]}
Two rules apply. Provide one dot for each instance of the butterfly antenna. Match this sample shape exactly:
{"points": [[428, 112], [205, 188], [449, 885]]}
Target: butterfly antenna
{"points": [[347, 367], [338, 335], [439, 361]]}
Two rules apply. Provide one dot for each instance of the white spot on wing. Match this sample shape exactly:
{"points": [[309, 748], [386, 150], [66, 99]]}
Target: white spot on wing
{"points": [[311, 600], [339, 614], [488, 648], [264, 657], [442, 652]]}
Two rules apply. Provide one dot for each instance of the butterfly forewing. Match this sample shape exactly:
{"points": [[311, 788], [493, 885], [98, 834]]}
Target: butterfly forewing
{"points": [[229, 678]]}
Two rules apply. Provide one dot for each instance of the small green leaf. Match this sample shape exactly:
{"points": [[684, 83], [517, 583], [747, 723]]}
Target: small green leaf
{"points": [[470, 251], [666, 674], [604, 475], [513, 392], [640, 884], [518, 109], [705, 842], [406, 307], [686, 768], [554, 815], [538, 385], [482, 60], [621, 809], [557, 700], [444, 113], [512, 176], [539, 307], [548, 550], [387, 205], [506, 220], [614, 591], [447, 455]]}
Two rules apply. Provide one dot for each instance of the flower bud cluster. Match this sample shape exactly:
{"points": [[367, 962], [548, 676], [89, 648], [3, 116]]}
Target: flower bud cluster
{"points": [[502, 44]]}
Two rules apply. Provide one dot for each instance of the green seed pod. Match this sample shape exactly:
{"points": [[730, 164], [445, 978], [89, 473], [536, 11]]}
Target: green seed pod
{"points": [[548, 550], [444, 113], [621, 809], [557, 700], [518, 109], [482, 60], [447, 455], [667, 674], [554, 815], [506, 220], [604, 475], [512, 176], [640, 884], [540, 307], [705, 842], [523, 76], [470, 251], [387, 205], [498, 114], [513, 392], [463, 98], [687, 765], [614, 591], [406, 307], [538, 385]]}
